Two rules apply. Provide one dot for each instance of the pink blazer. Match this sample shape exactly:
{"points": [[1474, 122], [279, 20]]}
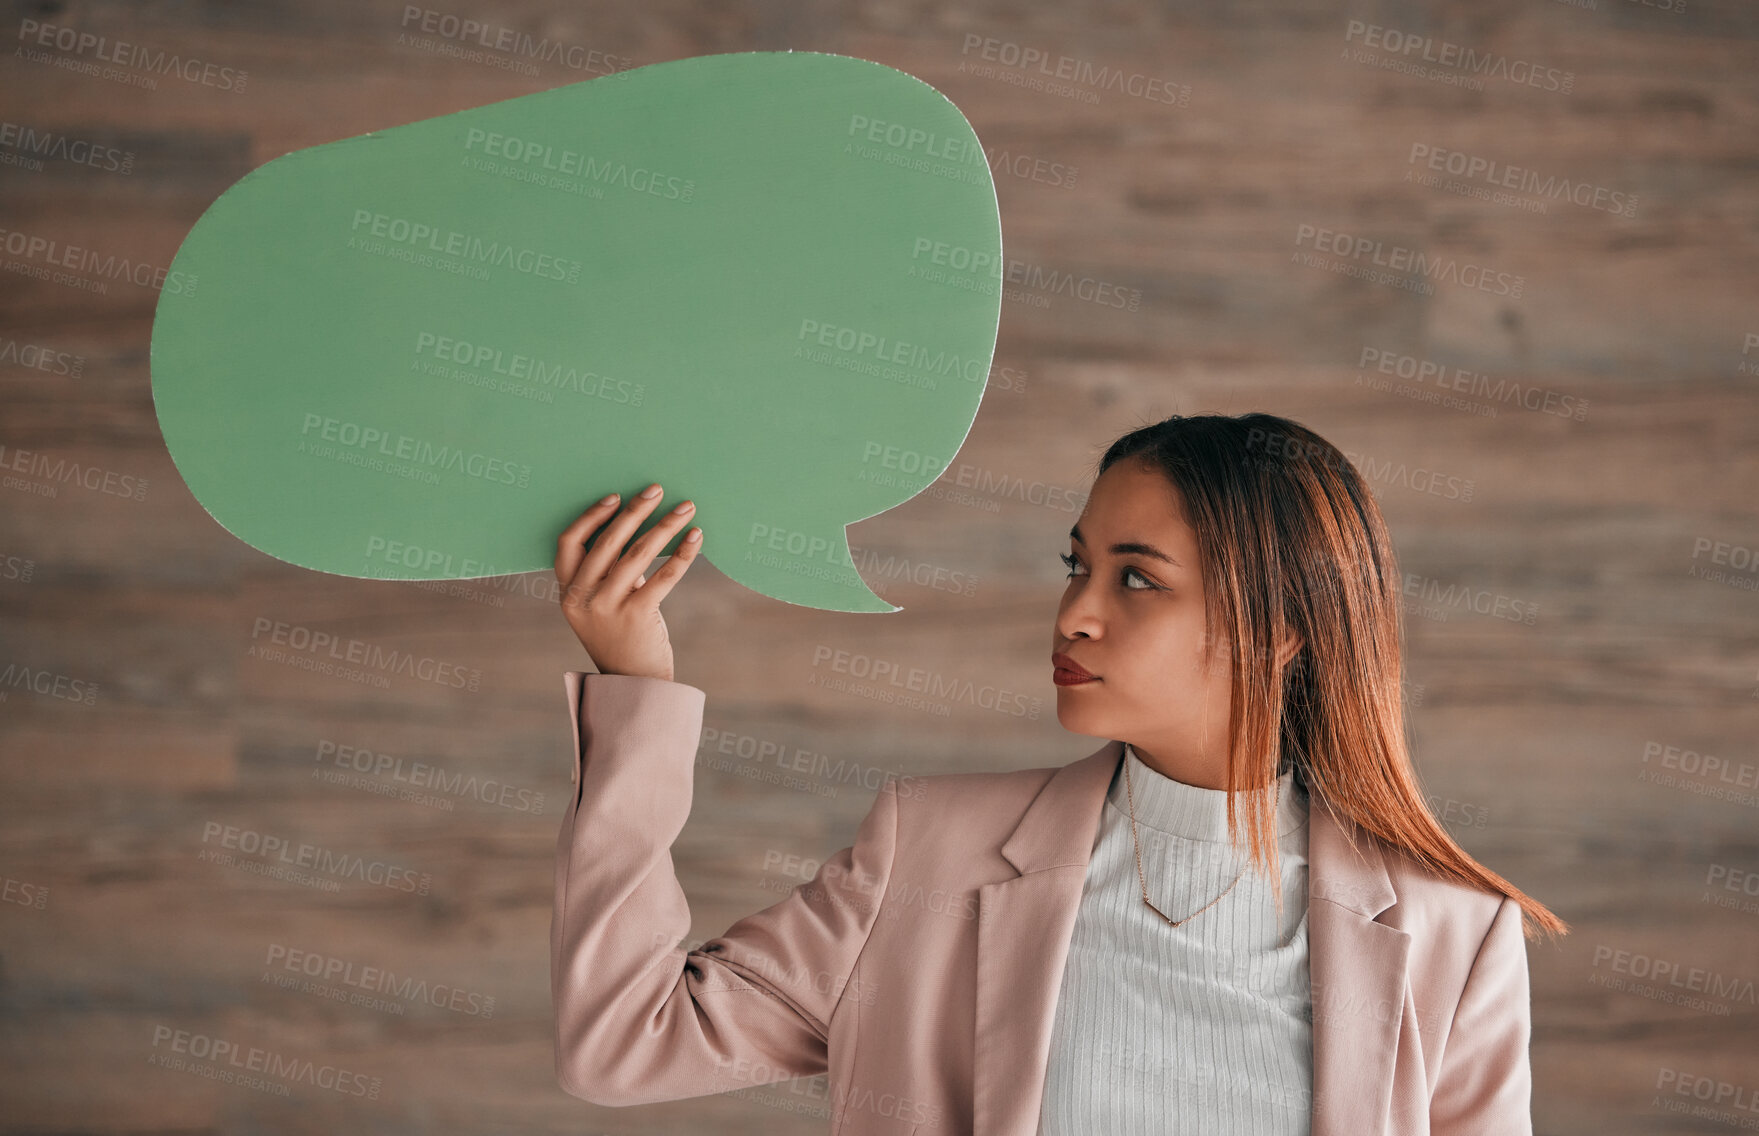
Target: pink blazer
{"points": [[920, 967]]}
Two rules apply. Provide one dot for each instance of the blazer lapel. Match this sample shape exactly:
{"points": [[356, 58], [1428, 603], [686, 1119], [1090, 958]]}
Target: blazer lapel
{"points": [[1357, 966], [1023, 931]]}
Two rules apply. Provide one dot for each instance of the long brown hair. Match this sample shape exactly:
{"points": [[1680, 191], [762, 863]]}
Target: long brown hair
{"points": [[1291, 541]]}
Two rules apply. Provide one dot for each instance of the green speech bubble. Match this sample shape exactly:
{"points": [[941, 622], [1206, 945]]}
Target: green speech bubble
{"points": [[769, 281]]}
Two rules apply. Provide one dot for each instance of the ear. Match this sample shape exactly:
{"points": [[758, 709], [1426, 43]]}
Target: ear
{"points": [[1288, 649]]}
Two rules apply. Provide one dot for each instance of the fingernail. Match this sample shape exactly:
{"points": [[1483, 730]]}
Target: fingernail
{"points": [[694, 534], [609, 499], [651, 491], [683, 506]]}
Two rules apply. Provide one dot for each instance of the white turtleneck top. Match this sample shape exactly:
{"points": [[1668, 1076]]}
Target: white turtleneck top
{"points": [[1205, 1028]]}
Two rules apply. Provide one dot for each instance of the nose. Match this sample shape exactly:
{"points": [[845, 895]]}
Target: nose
{"points": [[1079, 615]]}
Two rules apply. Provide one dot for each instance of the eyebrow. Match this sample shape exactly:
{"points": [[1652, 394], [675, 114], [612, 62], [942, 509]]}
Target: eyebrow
{"points": [[1129, 548]]}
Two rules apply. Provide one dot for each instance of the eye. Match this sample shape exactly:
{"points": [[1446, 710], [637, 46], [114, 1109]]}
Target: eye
{"points": [[1071, 563]]}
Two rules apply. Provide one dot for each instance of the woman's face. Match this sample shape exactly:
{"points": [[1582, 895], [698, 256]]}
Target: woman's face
{"points": [[1133, 615]]}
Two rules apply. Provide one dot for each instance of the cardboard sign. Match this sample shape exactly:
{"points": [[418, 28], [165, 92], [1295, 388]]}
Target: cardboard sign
{"points": [[770, 281]]}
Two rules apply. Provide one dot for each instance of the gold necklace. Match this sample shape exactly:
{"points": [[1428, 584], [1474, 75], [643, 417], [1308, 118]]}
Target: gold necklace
{"points": [[1130, 793]]}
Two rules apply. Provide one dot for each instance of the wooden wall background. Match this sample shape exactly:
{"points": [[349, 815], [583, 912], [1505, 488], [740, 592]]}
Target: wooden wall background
{"points": [[1532, 738]]}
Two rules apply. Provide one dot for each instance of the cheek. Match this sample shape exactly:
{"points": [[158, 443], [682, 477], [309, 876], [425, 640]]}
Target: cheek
{"points": [[1185, 649], [1215, 657], [1157, 648]]}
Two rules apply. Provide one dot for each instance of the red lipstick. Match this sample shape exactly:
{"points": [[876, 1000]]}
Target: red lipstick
{"points": [[1067, 672]]}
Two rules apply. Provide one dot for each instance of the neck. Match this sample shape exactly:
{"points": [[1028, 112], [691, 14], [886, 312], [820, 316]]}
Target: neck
{"points": [[1204, 773]]}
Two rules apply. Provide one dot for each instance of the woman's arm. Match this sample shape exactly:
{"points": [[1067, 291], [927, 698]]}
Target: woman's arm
{"points": [[1486, 1084], [638, 1019]]}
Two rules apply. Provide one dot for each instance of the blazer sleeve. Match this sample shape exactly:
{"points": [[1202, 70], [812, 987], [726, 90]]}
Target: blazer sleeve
{"points": [[1485, 1087], [639, 1019]]}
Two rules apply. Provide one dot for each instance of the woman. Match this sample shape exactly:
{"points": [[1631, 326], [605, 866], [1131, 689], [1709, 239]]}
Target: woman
{"points": [[1236, 916]]}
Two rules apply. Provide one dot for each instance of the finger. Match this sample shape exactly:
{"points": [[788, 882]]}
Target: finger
{"points": [[571, 544], [621, 577], [669, 573], [607, 546]]}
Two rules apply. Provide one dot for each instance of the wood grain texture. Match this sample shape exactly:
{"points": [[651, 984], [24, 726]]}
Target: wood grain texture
{"points": [[117, 929]]}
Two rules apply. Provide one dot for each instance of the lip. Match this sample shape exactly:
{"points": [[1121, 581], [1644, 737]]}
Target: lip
{"points": [[1067, 672]]}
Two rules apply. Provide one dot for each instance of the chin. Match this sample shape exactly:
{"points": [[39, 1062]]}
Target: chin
{"points": [[1079, 719]]}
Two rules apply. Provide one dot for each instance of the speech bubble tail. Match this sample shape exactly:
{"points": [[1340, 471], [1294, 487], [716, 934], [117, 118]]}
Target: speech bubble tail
{"points": [[869, 601], [805, 566], [838, 589]]}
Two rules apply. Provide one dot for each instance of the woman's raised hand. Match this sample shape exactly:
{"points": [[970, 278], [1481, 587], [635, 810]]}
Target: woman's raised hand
{"points": [[606, 596]]}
